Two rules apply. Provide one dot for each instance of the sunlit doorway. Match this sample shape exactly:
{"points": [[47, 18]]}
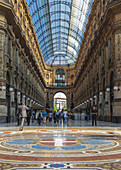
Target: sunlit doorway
{"points": [[60, 101]]}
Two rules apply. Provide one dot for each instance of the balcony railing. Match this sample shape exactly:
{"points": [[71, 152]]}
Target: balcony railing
{"points": [[59, 85]]}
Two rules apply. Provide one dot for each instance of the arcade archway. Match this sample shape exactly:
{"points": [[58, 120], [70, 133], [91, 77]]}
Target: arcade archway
{"points": [[60, 100]]}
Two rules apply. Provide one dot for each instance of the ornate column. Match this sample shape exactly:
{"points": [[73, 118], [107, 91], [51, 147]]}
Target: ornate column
{"points": [[95, 100], [100, 105], [12, 108], [19, 97], [3, 106], [23, 98], [91, 101], [107, 105], [117, 80]]}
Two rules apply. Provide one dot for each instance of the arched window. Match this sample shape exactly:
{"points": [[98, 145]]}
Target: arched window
{"points": [[71, 96], [60, 77], [8, 78], [47, 95]]}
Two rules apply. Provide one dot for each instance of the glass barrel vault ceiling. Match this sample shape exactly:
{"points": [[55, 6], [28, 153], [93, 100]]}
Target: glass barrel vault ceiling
{"points": [[60, 26]]}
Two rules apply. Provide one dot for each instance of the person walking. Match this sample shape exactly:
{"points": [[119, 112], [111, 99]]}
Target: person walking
{"points": [[50, 116], [39, 117], [44, 114], [23, 113], [33, 116], [94, 116], [87, 115], [18, 116], [28, 116], [57, 117], [61, 117], [66, 117]]}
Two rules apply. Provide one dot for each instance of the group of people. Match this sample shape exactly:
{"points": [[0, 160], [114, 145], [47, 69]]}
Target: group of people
{"points": [[59, 117], [25, 113]]}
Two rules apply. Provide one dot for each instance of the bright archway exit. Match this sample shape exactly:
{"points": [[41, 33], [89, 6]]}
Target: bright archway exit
{"points": [[60, 101]]}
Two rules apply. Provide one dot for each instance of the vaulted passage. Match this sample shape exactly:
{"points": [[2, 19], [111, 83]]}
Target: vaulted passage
{"points": [[60, 74], [69, 46]]}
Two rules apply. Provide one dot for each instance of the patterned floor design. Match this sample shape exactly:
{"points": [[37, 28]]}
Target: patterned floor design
{"points": [[83, 148]]}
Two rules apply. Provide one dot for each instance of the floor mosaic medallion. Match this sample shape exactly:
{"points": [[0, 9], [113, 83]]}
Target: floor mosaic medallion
{"points": [[60, 148]]}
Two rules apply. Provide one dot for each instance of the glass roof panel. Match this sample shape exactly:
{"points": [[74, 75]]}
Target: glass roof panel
{"points": [[60, 26]]}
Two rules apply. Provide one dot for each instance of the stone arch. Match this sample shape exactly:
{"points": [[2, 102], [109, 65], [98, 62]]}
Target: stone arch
{"points": [[61, 91], [60, 100], [59, 70]]}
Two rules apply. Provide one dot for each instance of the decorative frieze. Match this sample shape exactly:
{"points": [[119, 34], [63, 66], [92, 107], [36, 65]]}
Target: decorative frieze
{"points": [[2, 44], [118, 55]]}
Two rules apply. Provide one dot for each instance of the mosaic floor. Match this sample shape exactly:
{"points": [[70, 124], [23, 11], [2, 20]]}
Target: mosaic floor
{"points": [[83, 148]]}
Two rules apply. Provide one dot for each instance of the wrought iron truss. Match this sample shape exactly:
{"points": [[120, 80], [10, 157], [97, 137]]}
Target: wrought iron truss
{"points": [[60, 26]]}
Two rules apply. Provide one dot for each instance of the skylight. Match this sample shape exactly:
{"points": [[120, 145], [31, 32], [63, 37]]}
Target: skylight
{"points": [[60, 26]]}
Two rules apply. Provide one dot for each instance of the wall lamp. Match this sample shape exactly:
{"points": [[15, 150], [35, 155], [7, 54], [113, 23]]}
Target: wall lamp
{"points": [[101, 93], [3, 87], [108, 89], [18, 93], [95, 97], [24, 96], [90, 98], [10, 89], [116, 88]]}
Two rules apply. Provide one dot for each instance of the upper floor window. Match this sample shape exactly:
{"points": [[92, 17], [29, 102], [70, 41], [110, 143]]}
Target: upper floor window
{"points": [[110, 50], [60, 74], [103, 56], [47, 95], [13, 48], [72, 77], [71, 96], [9, 47], [16, 56], [60, 77], [47, 76]]}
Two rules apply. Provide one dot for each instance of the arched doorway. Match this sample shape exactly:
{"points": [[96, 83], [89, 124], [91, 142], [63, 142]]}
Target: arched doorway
{"points": [[60, 100], [8, 97]]}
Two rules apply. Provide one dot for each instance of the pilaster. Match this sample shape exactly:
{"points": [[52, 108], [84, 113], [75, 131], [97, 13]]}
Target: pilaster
{"points": [[3, 106]]}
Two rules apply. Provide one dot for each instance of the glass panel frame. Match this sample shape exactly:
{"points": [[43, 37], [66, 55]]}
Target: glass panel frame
{"points": [[60, 26]]}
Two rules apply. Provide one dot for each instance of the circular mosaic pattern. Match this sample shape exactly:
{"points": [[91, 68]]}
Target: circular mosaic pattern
{"points": [[60, 145], [64, 143]]}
